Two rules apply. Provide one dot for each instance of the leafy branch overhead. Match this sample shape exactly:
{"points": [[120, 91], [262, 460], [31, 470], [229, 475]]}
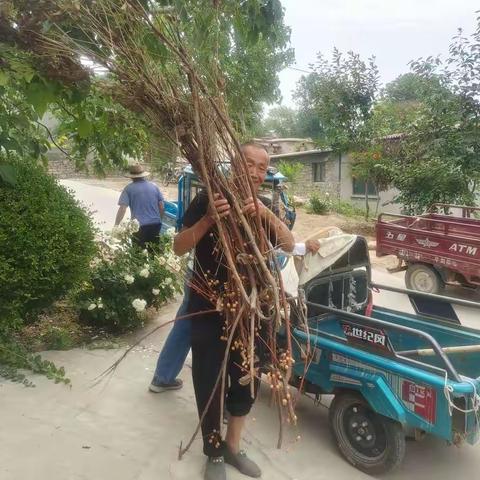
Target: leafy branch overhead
{"points": [[88, 102]]}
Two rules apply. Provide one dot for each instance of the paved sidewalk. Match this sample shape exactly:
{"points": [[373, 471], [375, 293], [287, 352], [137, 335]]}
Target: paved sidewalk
{"points": [[118, 430]]}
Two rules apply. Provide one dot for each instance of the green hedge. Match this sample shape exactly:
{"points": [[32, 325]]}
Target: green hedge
{"points": [[46, 243]]}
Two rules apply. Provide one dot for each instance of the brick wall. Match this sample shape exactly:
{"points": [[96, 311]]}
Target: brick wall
{"points": [[62, 167], [306, 185]]}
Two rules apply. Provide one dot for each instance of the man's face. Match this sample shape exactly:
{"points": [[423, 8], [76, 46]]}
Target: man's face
{"points": [[257, 163]]}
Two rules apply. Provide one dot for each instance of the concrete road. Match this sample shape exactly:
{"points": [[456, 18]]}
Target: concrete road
{"points": [[102, 202], [468, 316], [118, 430]]}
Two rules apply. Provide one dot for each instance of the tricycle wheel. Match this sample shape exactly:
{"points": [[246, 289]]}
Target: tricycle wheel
{"points": [[423, 278], [371, 442]]}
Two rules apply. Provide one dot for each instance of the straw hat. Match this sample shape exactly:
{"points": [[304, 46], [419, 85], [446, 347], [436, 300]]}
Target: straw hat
{"points": [[137, 171]]}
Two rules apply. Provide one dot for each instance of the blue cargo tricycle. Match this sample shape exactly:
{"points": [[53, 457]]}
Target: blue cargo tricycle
{"points": [[391, 373]]}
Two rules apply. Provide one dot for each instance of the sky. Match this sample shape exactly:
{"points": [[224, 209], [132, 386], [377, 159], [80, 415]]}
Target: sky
{"points": [[395, 31]]}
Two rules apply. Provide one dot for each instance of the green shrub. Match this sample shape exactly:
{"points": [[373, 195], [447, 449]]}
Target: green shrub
{"points": [[46, 243], [323, 204], [347, 209], [293, 172], [14, 356], [319, 205], [126, 281]]}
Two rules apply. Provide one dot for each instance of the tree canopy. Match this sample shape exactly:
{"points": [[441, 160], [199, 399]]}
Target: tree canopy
{"points": [[281, 121], [439, 156], [230, 34], [435, 109], [340, 93]]}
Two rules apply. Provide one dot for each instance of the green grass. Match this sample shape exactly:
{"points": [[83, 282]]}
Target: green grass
{"points": [[323, 205]]}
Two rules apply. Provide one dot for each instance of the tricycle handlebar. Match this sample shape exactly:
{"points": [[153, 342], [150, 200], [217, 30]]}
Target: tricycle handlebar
{"points": [[431, 296], [466, 209], [452, 373]]}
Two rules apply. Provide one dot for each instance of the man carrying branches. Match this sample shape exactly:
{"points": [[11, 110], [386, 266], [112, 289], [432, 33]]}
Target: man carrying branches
{"points": [[208, 334]]}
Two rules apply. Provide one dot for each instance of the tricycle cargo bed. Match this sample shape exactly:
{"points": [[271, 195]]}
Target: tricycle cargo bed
{"points": [[397, 363], [450, 245], [449, 336], [466, 228]]}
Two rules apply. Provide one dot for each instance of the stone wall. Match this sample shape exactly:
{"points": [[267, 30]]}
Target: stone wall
{"points": [[62, 167], [306, 185], [154, 160], [276, 146]]}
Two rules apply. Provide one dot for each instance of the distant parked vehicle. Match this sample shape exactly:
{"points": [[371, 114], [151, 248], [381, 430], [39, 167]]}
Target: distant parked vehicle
{"points": [[441, 247], [171, 175]]}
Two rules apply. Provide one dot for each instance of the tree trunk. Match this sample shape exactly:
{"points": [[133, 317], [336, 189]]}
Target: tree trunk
{"points": [[367, 205], [378, 204]]}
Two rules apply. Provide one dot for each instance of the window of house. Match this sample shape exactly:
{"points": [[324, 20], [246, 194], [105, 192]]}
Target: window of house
{"points": [[359, 188], [318, 171]]}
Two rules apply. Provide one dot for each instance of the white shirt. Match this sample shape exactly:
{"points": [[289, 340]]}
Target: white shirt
{"points": [[299, 249]]}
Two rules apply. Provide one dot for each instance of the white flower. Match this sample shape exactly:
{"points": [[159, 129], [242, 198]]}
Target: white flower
{"points": [[116, 232], [161, 260], [129, 279], [144, 273], [145, 252], [92, 306], [176, 267], [100, 305], [170, 232], [168, 281], [139, 305], [134, 226], [95, 262], [155, 291]]}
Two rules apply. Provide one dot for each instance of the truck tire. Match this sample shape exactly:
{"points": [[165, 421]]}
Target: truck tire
{"points": [[370, 442], [423, 278]]}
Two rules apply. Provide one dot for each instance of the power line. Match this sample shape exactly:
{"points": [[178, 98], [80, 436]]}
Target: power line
{"points": [[301, 70]]}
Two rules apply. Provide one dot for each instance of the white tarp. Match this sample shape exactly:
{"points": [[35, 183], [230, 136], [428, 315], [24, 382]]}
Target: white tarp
{"points": [[303, 267], [331, 249]]}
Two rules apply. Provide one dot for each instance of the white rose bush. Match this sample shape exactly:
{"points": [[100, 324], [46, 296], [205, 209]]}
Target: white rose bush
{"points": [[139, 305], [128, 282]]}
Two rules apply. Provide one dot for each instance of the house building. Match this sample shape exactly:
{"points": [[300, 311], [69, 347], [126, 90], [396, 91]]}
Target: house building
{"points": [[326, 172], [276, 146]]}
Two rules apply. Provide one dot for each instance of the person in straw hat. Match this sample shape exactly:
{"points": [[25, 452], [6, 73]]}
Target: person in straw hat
{"points": [[146, 204]]}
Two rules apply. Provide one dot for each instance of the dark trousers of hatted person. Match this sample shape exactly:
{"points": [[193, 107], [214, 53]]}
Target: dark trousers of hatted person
{"points": [[208, 351], [147, 234]]}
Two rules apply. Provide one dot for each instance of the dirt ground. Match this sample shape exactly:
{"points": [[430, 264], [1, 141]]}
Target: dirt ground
{"points": [[305, 223]]}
